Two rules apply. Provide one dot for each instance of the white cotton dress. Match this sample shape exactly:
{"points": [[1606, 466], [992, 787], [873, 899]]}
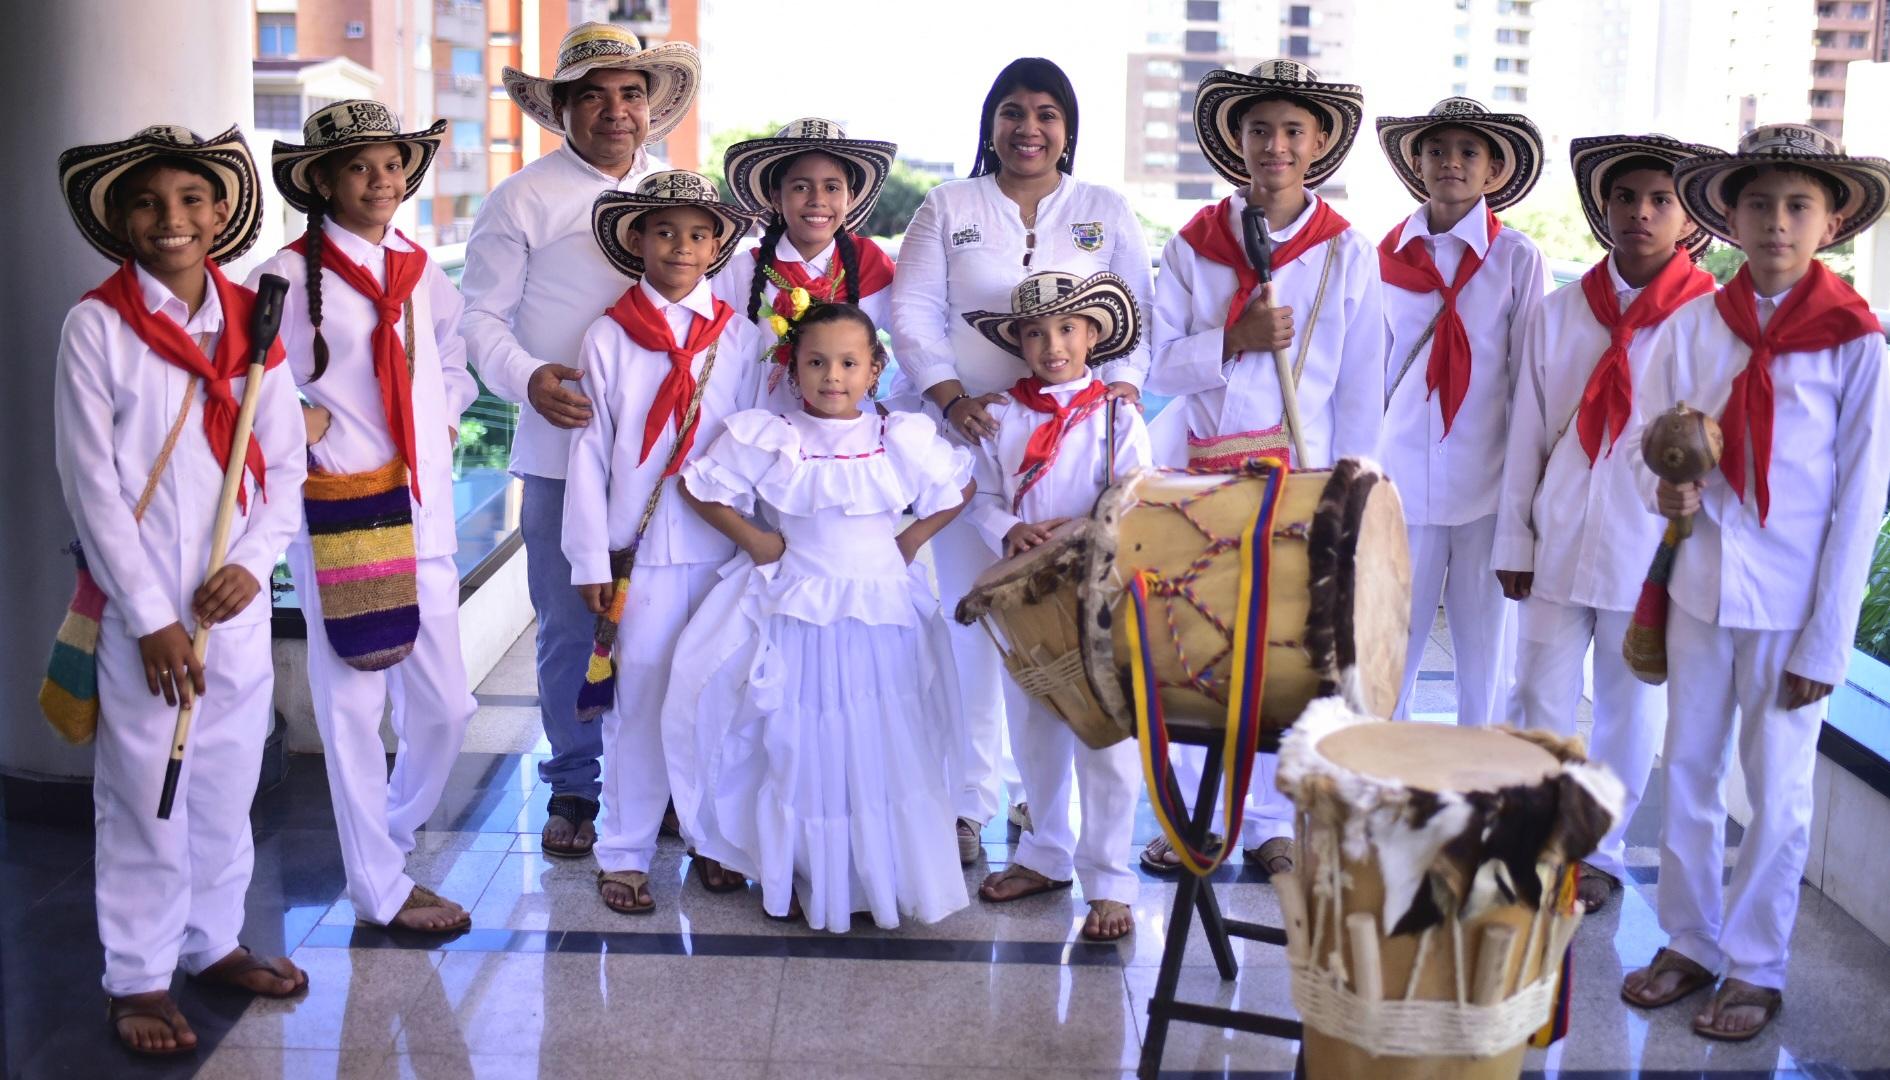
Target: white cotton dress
{"points": [[812, 706]]}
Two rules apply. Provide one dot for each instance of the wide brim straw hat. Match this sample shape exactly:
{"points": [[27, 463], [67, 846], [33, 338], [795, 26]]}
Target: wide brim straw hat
{"points": [[1514, 133], [344, 126], [1222, 96], [86, 175], [1103, 297], [1592, 157], [615, 213], [674, 70], [752, 166], [1864, 181]]}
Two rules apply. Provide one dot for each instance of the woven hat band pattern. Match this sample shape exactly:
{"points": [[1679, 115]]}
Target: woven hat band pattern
{"points": [[1042, 290], [349, 119]]}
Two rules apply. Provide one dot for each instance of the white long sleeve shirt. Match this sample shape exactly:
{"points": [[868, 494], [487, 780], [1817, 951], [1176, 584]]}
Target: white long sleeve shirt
{"points": [[605, 486], [535, 279], [1455, 480], [732, 285], [1805, 570], [358, 439], [1341, 387], [964, 251], [1584, 532], [114, 401], [1070, 486]]}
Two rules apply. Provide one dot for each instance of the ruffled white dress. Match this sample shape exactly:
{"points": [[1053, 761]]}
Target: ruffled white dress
{"points": [[812, 706]]}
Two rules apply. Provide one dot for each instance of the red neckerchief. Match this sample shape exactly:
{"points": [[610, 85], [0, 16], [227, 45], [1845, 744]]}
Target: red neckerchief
{"points": [[404, 271], [876, 273], [1041, 451], [1412, 270], [1821, 312], [1608, 400], [1210, 232], [161, 334], [650, 330]]}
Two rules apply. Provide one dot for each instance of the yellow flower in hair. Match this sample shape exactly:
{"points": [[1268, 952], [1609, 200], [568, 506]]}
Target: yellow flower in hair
{"points": [[799, 299], [779, 325]]}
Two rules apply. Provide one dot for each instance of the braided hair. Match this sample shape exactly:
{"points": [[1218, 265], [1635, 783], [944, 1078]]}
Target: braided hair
{"points": [[770, 239], [849, 253], [312, 269]]}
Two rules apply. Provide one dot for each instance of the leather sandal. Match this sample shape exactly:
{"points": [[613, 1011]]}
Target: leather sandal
{"points": [[579, 812], [1593, 887], [1693, 977], [1736, 994], [1278, 849], [230, 970], [726, 881], [636, 881], [159, 1006], [1037, 884], [422, 897], [1155, 855]]}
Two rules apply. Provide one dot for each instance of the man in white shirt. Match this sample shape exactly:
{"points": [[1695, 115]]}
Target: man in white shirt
{"points": [[535, 279], [1572, 536]]}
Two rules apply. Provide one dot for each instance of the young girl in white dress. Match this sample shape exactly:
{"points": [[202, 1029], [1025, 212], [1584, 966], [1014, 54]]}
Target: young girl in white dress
{"points": [[811, 708]]}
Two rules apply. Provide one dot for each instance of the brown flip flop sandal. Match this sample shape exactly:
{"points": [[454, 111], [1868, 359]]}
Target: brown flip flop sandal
{"points": [[423, 897], [1101, 909], [1277, 849], [1037, 882], [1737, 994], [636, 881], [230, 970], [1155, 855], [1693, 978], [157, 1005], [1593, 888], [728, 883], [580, 812]]}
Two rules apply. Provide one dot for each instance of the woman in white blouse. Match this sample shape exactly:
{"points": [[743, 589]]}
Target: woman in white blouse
{"points": [[968, 246]]}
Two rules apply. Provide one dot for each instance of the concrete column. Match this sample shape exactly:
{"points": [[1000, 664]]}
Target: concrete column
{"points": [[77, 71]]}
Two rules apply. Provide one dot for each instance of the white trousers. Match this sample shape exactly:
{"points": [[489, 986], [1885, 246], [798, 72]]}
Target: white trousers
{"points": [[1108, 782], [170, 893], [1630, 715], [1268, 813], [636, 773], [1452, 562], [1745, 931], [376, 814], [959, 555]]}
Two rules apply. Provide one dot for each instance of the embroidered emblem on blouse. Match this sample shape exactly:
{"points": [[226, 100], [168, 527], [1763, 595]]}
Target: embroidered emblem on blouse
{"points": [[1088, 235], [970, 234]]}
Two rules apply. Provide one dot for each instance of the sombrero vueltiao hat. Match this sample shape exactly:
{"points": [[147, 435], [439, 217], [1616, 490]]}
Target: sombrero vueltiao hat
{"points": [[1865, 181], [342, 126], [751, 166], [1592, 157], [86, 175], [1514, 133], [1103, 297], [616, 212], [1222, 94], [673, 68]]}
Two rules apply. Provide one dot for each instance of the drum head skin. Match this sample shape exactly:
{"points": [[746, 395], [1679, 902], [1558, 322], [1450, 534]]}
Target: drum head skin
{"points": [[1359, 628], [1438, 757]]}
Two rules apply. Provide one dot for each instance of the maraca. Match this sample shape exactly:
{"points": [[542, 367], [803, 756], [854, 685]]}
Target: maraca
{"points": [[1681, 446]]}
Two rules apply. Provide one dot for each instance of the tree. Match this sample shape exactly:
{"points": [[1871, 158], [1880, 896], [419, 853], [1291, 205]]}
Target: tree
{"points": [[1155, 232], [905, 189], [1557, 225], [1725, 260], [718, 151]]}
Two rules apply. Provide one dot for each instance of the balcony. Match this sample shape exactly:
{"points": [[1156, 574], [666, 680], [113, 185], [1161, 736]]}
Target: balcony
{"points": [[645, 18], [462, 172], [459, 97], [460, 22]]}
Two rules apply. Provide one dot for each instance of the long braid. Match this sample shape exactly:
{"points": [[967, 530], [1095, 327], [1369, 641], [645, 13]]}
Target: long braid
{"points": [[849, 262], [312, 264], [764, 255]]}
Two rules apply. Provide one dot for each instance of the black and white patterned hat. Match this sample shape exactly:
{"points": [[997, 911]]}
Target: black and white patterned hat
{"points": [[672, 68], [343, 125], [1593, 156], [616, 212], [1865, 181], [1103, 297], [1222, 94], [752, 166], [86, 175], [1515, 133]]}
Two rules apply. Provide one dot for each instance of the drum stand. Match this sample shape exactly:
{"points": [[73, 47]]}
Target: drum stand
{"points": [[1194, 894]]}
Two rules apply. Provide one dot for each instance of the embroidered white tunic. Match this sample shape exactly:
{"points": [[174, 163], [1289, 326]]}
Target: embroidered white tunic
{"points": [[1454, 480], [964, 251], [1584, 532], [534, 280], [1805, 569], [114, 401], [357, 439], [605, 485], [1341, 386]]}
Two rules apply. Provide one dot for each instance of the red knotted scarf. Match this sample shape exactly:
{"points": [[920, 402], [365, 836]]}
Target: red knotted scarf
{"points": [[1210, 232], [164, 337], [650, 330], [1041, 451], [1608, 399], [1412, 270], [1821, 312], [404, 271], [876, 273]]}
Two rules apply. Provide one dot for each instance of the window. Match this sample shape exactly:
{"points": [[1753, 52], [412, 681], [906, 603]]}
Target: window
{"points": [[1194, 191], [1860, 11], [1158, 129], [1507, 36], [1823, 69], [1860, 40], [1511, 93], [1193, 71], [275, 35], [425, 208], [1203, 41], [1193, 164], [1164, 69], [1513, 7], [1160, 159], [1460, 61], [1512, 63], [1823, 99], [1459, 89], [279, 112], [1204, 10], [1161, 101], [1827, 11], [1185, 133], [470, 62], [1463, 31], [1827, 39], [1299, 46], [469, 135], [1299, 15]]}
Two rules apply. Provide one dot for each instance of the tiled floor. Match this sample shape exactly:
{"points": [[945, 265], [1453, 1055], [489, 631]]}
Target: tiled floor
{"points": [[553, 985]]}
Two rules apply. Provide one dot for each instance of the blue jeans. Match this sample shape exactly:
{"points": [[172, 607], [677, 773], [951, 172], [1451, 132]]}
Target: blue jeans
{"points": [[565, 627]]}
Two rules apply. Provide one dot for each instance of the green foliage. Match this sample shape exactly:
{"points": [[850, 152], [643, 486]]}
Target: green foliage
{"points": [[1157, 233], [1557, 225], [718, 150], [1724, 261], [1873, 623], [905, 189]]}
